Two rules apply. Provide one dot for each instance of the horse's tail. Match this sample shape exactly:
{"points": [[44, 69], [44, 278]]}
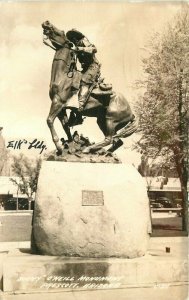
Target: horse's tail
{"points": [[128, 130]]}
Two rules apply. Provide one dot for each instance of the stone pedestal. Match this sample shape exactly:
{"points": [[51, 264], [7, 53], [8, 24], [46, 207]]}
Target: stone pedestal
{"points": [[91, 210], [26, 272]]}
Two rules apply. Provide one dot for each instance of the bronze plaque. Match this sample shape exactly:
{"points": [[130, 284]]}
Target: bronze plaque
{"points": [[92, 198]]}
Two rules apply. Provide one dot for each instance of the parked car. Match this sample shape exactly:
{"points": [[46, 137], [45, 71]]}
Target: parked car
{"points": [[177, 202], [165, 202], [156, 205]]}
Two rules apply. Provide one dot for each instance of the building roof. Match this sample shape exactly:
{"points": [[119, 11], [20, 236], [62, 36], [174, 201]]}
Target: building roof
{"points": [[155, 184]]}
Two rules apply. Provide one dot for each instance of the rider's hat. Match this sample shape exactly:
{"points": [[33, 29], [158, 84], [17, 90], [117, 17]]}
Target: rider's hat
{"points": [[74, 34]]}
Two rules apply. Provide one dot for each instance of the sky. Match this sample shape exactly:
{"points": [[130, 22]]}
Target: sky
{"points": [[119, 30]]}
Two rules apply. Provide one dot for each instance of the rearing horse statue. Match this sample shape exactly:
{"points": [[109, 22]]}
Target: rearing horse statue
{"points": [[114, 116]]}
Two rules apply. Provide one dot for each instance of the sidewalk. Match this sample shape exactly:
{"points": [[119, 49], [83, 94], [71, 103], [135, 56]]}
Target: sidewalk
{"points": [[7, 246], [161, 293]]}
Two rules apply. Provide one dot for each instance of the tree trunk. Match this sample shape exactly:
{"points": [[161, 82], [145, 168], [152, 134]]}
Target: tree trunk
{"points": [[29, 203], [183, 181], [182, 170], [185, 210], [179, 151]]}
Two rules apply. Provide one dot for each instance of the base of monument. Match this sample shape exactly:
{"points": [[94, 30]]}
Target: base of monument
{"points": [[90, 210], [24, 272]]}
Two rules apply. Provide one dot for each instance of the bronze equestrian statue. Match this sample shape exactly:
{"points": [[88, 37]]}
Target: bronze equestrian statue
{"points": [[112, 110]]}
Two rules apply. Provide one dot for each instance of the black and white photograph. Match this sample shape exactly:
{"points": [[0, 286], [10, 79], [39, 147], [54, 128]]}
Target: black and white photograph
{"points": [[94, 150]]}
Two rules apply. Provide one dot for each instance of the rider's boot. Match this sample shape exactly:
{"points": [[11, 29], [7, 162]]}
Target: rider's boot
{"points": [[76, 118], [82, 97]]}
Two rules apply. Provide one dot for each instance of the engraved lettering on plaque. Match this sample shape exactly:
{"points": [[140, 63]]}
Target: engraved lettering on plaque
{"points": [[92, 198]]}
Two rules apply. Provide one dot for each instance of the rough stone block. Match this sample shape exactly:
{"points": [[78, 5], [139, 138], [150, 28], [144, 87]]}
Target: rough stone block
{"points": [[91, 210]]}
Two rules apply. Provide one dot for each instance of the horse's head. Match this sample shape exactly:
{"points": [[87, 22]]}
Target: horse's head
{"points": [[56, 36]]}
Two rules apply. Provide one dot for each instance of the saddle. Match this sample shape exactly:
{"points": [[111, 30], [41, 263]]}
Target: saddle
{"points": [[102, 88]]}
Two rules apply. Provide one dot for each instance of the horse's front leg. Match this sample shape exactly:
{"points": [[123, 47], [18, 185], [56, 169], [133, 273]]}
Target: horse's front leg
{"points": [[56, 107], [64, 122]]}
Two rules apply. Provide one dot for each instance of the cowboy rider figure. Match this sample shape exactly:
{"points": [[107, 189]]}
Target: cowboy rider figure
{"points": [[90, 65]]}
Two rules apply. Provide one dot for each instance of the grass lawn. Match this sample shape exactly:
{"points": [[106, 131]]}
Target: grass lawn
{"points": [[17, 226], [167, 226]]}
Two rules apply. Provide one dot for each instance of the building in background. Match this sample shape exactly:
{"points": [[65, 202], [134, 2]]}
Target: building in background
{"points": [[161, 189], [10, 196]]}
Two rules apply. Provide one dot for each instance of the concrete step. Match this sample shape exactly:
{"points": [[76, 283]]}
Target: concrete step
{"points": [[23, 271]]}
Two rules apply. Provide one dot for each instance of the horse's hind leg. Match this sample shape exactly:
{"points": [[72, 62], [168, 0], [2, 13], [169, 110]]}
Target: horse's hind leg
{"points": [[62, 116], [56, 107], [117, 143], [107, 126]]}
